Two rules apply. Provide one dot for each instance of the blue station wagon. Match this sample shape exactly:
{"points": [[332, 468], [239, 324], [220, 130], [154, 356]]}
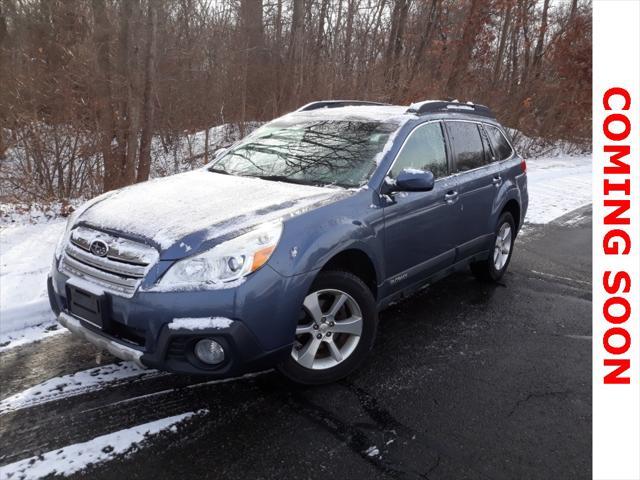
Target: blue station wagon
{"points": [[282, 251]]}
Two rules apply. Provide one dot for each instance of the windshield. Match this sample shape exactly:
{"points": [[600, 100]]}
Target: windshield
{"points": [[312, 152]]}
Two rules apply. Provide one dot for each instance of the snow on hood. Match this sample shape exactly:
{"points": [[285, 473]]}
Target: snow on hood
{"points": [[168, 209]]}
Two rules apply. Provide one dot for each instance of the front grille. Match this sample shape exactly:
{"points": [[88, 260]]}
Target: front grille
{"points": [[119, 271]]}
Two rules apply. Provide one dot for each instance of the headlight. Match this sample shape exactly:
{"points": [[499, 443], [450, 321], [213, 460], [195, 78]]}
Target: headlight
{"points": [[226, 262], [64, 237]]}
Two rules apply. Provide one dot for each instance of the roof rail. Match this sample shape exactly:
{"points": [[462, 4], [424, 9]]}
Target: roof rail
{"points": [[335, 104], [440, 106]]}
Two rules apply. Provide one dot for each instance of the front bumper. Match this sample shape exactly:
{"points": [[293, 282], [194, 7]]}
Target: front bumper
{"points": [[264, 310], [174, 351], [104, 343]]}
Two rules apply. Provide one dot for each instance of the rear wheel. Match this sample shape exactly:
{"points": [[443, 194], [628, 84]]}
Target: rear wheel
{"points": [[494, 267], [335, 332]]}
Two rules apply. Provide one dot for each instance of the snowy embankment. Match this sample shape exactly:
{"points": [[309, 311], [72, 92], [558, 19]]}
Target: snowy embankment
{"points": [[25, 258], [557, 185]]}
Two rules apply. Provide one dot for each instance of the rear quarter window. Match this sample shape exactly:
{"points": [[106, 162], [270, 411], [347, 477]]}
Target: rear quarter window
{"points": [[500, 145]]}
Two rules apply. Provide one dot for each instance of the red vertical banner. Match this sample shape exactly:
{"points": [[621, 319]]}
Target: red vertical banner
{"points": [[616, 239]]}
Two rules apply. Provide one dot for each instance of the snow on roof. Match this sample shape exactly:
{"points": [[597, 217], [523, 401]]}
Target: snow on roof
{"points": [[371, 113]]}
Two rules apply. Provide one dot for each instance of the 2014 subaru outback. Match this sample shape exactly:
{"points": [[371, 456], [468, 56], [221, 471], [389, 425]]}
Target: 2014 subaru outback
{"points": [[281, 252]]}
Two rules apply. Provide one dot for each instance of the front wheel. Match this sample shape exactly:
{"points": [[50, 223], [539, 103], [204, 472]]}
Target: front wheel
{"points": [[494, 267], [335, 332]]}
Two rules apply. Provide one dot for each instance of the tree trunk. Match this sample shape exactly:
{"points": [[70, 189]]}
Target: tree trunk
{"points": [[425, 38], [394, 47], [144, 163], [123, 93], [104, 107], [319, 45], [296, 51], [347, 67], [501, 45], [252, 25], [538, 51], [473, 25]]}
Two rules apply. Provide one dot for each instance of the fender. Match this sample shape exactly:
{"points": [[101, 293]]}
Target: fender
{"points": [[508, 191], [303, 249]]}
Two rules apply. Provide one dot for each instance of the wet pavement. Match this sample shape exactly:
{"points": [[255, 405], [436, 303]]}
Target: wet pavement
{"points": [[467, 380]]}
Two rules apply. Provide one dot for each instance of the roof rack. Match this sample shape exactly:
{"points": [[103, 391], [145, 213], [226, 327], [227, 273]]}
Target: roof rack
{"points": [[440, 106], [336, 104]]}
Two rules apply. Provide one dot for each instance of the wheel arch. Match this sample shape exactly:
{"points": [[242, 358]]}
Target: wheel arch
{"points": [[513, 207], [357, 262]]}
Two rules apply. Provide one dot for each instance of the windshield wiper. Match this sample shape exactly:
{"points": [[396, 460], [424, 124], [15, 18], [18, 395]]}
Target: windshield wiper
{"points": [[283, 178], [219, 170]]}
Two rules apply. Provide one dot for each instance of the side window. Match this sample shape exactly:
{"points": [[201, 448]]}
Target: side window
{"points": [[489, 154], [467, 145], [500, 144], [424, 150]]}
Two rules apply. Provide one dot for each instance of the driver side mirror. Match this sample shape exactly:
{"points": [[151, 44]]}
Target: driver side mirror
{"points": [[410, 180]]}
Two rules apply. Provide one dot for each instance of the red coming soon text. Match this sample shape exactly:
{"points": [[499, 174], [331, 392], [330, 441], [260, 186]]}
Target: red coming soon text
{"points": [[617, 240]]}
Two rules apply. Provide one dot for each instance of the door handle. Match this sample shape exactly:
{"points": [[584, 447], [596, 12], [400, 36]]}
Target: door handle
{"points": [[451, 197], [497, 180]]}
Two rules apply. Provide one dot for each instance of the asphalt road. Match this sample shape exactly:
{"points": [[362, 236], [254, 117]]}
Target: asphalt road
{"points": [[467, 380]]}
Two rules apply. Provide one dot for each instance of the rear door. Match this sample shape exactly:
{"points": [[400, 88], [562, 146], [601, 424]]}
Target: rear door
{"points": [[418, 225], [479, 179]]}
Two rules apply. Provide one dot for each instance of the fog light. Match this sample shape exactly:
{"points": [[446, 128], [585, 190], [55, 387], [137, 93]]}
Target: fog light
{"points": [[209, 351]]}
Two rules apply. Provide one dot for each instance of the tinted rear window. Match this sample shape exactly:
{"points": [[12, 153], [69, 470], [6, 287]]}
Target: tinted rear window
{"points": [[467, 145], [500, 144]]}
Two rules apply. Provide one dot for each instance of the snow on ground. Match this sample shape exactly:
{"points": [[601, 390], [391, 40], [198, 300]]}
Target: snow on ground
{"points": [[74, 458], [78, 383], [26, 251], [557, 185], [26, 335]]}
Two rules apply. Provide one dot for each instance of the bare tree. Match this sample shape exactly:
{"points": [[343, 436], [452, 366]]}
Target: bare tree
{"points": [[148, 105], [89, 87]]}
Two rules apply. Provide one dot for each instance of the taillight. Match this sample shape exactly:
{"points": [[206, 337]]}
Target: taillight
{"points": [[523, 165]]}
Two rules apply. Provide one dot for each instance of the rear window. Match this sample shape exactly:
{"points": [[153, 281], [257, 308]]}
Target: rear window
{"points": [[500, 144], [467, 145]]}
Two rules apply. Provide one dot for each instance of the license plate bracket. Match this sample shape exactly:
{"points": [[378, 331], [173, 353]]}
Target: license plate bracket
{"points": [[87, 306]]}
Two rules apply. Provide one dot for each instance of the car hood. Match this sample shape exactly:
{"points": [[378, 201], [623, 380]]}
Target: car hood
{"points": [[180, 212]]}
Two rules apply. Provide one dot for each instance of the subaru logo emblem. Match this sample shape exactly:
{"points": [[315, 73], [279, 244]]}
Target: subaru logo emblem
{"points": [[99, 248]]}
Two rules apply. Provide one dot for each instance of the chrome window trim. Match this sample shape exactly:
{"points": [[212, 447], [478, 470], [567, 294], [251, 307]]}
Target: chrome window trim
{"points": [[447, 146], [395, 159], [513, 150], [497, 162]]}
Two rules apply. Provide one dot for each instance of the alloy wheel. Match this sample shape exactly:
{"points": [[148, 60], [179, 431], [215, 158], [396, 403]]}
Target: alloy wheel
{"points": [[502, 247], [329, 331]]}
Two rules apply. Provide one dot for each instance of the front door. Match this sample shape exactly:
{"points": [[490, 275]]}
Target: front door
{"points": [[418, 225]]}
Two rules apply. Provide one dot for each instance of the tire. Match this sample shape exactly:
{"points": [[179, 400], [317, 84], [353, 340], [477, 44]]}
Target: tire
{"points": [[344, 341], [493, 268]]}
